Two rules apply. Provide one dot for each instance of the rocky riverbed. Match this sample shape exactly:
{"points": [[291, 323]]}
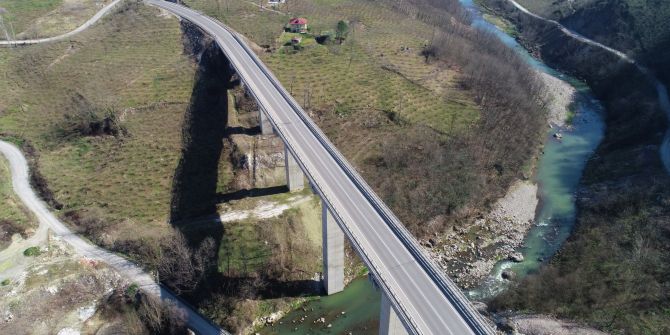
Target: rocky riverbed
{"points": [[469, 254]]}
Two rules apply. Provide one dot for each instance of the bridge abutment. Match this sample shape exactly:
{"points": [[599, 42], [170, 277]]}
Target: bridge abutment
{"points": [[295, 181], [333, 252], [389, 323]]}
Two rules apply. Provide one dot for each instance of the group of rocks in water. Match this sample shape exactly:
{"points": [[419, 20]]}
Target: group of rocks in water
{"points": [[275, 319]]}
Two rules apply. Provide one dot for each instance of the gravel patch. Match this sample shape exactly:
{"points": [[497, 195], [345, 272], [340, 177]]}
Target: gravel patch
{"points": [[545, 325]]}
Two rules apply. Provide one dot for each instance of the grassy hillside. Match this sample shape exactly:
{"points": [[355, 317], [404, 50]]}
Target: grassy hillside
{"points": [[43, 18], [132, 65], [377, 69]]}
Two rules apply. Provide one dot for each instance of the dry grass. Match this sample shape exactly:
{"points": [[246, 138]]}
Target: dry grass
{"points": [[19, 14], [11, 208]]}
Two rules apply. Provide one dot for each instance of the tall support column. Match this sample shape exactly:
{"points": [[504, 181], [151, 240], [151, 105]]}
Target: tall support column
{"points": [[333, 252], [266, 126], [294, 178], [389, 323]]}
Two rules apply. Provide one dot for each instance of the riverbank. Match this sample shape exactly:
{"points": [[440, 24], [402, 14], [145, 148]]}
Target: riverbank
{"points": [[560, 98], [543, 325], [499, 233]]}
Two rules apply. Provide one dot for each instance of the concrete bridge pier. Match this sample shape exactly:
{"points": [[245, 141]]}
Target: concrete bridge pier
{"points": [[294, 176], [333, 252], [264, 121], [389, 323]]}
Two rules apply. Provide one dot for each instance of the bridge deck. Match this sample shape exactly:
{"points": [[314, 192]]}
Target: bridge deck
{"points": [[427, 303]]}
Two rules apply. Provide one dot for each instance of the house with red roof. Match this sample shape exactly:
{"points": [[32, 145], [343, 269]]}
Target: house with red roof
{"points": [[297, 25]]}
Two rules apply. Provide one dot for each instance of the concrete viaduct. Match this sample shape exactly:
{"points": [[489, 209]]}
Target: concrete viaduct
{"points": [[417, 298]]}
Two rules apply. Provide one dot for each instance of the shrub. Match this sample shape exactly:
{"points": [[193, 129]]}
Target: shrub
{"points": [[5, 282], [32, 252], [132, 289], [85, 119], [89, 221]]}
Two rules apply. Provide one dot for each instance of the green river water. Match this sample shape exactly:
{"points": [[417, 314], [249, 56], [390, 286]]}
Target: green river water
{"points": [[360, 302]]}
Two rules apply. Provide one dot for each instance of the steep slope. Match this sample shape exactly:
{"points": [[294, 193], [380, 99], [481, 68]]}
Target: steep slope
{"points": [[640, 28]]}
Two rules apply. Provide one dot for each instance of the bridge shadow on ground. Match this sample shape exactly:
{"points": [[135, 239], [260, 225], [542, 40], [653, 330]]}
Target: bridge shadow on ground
{"points": [[195, 181], [251, 193], [243, 131], [193, 207]]}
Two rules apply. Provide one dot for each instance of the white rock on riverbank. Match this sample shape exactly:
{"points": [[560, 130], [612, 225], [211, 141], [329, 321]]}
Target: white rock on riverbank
{"points": [[517, 207], [560, 96], [545, 325]]}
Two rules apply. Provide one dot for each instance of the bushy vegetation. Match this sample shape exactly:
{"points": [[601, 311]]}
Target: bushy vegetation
{"points": [[32, 252], [142, 313], [83, 119]]}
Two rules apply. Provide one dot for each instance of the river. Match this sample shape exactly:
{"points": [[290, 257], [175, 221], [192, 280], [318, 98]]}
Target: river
{"points": [[558, 174], [558, 171]]}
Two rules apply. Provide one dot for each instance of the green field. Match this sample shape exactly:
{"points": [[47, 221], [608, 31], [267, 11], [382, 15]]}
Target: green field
{"points": [[377, 69]]}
